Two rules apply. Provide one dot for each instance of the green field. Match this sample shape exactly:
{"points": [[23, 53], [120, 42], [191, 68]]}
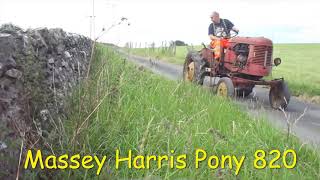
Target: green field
{"points": [[126, 107], [299, 64]]}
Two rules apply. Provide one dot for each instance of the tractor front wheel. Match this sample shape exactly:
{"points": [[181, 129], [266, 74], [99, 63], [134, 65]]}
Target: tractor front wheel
{"points": [[225, 87], [279, 96]]}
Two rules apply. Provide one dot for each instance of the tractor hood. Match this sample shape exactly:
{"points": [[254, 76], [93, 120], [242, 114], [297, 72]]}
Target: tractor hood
{"points": [[252, 40]]}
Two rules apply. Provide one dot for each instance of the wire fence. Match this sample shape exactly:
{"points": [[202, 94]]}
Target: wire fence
{"points": [[168, 48]]}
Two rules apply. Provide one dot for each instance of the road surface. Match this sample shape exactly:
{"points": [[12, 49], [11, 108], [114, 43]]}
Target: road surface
{"points": [[306, 115]]}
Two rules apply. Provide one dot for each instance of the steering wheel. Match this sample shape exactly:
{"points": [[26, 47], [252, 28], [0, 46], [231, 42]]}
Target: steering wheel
{"points": [[232, 34]]}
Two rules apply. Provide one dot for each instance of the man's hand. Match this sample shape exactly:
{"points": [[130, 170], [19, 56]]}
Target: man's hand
{"points": [[212, 37]]}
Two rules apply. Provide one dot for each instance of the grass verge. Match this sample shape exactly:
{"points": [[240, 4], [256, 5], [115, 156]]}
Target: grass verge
{"points": [[128, 108]]}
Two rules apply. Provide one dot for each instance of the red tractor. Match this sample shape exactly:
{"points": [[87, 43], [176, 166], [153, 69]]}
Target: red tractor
{"points": [[243, 63]]}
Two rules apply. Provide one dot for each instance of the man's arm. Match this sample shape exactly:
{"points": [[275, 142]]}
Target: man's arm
{"points": [[231, 26], [235, 29]]}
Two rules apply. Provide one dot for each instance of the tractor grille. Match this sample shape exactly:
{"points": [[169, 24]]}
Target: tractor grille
{"points": [[262, 55]]}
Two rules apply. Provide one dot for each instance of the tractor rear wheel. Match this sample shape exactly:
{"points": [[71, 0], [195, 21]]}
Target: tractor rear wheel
{"points": [[194, 68], [279, 96], [225, 87]]}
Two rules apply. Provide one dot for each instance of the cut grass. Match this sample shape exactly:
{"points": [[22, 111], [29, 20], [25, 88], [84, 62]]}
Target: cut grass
{"points": [[299, 65], [159, 53], [133, 109]]}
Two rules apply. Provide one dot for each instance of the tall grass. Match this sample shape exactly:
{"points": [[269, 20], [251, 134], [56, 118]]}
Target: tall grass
{"points": [[129, 108]]}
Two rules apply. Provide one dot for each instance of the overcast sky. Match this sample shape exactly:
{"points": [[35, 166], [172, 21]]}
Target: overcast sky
{"points": [[286, 21]]}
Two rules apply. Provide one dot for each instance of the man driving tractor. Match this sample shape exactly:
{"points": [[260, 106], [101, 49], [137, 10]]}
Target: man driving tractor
{"points": [[234, 65], [219, 28]]}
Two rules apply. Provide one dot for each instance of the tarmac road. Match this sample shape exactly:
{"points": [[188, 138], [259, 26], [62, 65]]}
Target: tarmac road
{"points": [[307, 128]]}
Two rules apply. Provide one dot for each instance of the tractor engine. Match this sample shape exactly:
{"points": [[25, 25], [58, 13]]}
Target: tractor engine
{"points": [[242, 51], [249, 55]]}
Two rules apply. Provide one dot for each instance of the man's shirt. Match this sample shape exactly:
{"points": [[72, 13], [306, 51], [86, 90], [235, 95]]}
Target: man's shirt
{"points": [[221, 29]]}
